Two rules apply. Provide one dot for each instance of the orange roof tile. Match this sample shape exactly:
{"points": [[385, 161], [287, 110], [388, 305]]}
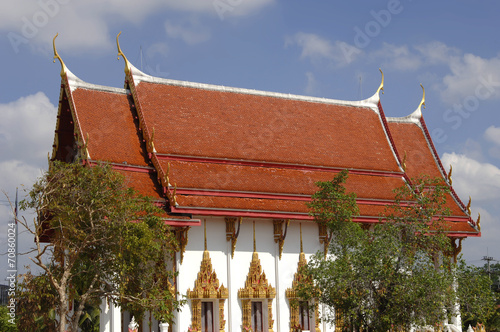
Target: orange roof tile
{"points": [[107, 119], [200, 122], [249, 178], [241, 152], [409, 138]]}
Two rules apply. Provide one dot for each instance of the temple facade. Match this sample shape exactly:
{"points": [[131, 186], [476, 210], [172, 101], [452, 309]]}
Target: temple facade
{"points": [[234, 169]]}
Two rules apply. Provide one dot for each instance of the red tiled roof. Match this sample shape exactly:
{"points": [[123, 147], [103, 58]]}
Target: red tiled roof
{"points": [[262, 179], [262, 205], [107, 119], [235, 152], [410, 139], [200, 122], [420, 159], [143, 181]]}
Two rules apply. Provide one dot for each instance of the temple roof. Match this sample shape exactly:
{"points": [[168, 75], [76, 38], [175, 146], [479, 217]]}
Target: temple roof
{"points": [[211, 150]]}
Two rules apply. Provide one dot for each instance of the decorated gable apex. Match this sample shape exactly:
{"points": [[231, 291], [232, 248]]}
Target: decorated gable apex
{"points": [[204, 149]]}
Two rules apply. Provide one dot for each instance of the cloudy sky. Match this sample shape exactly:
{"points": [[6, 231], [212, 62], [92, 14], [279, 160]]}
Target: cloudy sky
{"points": [[318, 48]]}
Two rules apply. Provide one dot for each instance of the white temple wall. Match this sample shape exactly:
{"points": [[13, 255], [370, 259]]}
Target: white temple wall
{"points": [[233, 272]]}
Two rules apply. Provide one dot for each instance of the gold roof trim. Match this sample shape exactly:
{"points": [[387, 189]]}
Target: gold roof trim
{"points": [[56, 56], [422, 102], [127, 64], [381, 87]]}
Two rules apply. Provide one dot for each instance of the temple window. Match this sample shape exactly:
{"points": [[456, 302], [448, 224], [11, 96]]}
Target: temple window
{"points": [[257, 317], [207, 316], [304, 316]]}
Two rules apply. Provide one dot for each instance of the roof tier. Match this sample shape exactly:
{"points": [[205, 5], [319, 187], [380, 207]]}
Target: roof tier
{"points": [[204, 122]]}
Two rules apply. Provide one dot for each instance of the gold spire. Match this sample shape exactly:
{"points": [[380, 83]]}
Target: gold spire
{"points": [[449, 175], [127, 64], [478, 223], [422, 102], [56, 56], [381, 87], [468, 205]]}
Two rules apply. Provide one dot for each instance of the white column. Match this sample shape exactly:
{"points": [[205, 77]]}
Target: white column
{"points": [[277, 282], [176, 325], [229, 304], [110, 318]]}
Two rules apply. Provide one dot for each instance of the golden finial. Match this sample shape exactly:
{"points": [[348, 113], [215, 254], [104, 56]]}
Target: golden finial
{"points": [[127, 64], [301, 248], [449, 175], [422, 102], [254, 246], [468, 205], [478, 223], [151, 143], [172, 196], [403, 163], [205, 232], [381, 87], [85, 148], [56, 56]]}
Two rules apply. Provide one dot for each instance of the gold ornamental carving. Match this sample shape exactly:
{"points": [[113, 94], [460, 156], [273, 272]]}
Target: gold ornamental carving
{"points": [[207, 287], [324, 237], [291, 293], [231, 231], [279, 235], [256, 287], [181, 235]]}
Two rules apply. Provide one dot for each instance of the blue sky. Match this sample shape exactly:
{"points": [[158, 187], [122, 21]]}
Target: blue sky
{"points": [[319, 48]]}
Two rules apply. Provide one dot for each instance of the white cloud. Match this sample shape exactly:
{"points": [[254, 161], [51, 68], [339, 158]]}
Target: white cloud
{"points": [[26, 136], [472, 178], [474, 248], [85, 25], [436, 53], [27, 128], [492, 134], [311, 83], [157, 49], [481, 181], [318, 49], [398, 57], [190, 31], [471, 75]]}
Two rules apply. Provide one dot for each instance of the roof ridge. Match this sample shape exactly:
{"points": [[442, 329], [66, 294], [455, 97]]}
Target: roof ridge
{"points": [[139, 76]]}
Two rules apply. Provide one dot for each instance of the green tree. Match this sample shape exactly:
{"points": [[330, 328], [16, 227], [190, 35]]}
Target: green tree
{"points": [[392, 274], [478, 296], [5, 324], [106, 241]]}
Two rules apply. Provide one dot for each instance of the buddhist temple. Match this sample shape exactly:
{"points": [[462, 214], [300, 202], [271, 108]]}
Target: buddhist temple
{"points": [[234, 168]]}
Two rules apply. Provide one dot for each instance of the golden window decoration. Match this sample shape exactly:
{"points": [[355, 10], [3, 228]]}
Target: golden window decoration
{"points": [[256, 287], [206, 286], [297, 307]]}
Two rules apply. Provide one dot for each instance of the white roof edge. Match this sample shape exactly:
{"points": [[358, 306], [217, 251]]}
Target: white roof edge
{"points": [[412, 118], [75, 83], [139, 76]]}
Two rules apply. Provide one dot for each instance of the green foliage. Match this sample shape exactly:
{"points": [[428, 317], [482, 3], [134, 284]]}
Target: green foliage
{"points": [[5, 325], [396, 274], [477, 297], [36, 303], [105, 241]]}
